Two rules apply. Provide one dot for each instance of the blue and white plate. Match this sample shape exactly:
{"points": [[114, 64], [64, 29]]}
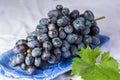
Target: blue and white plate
{"points": [[8, 72]]}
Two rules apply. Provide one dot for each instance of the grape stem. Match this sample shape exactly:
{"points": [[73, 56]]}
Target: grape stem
{"points": [[102, 17]]}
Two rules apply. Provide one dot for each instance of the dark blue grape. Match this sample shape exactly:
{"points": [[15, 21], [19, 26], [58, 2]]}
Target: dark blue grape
{"points": [[65, 46], [47, 45], [85, 31], [81, 45], [65, 11], [68, 29], [19, 58], [36, 52], [37, 61], [89, 15], [62, 34], [78, 24], [66, 19], [31, 38], [31, 69], [71, 38], [88, 24], [54, 13], [73, 50], [87, 39], [57, 42], [20, 48], [45, 55], [79, 39], [94, 30], [52, 59], [52, 27], [53, 20], [44, 22], [23, 66], [13, 61], [95, 40], [21, 41], [63, 21], [42, 29], [57, 51], [66, 54], [35, 33], [60, 22], [59, 7], [42, 37], [33, 44], [29, 59], [74, 14], [53, 33]]}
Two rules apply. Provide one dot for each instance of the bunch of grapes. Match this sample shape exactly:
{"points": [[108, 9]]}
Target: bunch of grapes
{"points": [[56, 38]]}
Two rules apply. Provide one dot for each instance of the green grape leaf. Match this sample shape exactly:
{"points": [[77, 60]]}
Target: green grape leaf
{"points": [[87, 67]]}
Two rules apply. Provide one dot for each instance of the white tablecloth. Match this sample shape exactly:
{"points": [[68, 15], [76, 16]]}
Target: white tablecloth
{"points": [[20, 17]]}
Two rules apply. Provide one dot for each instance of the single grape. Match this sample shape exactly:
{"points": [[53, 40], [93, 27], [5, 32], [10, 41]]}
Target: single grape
{"points": [[73, 50], [35, 33], [53, 20], [57, 42], [29, 59], [23, 66], [37, 61], [89, 15], [94, 30], [65, 11], [31, 69], [36, 52], [54, 13], [59, 7], [85, 31], [71, 38], [47, 45], [79, 39], [41, 29], [51, 26], [68, 29], [42, 37], [95, 40], [19, 58], [20, 48], [31, 38], [65, 46], [52, 59], [66, 54], [81, 45], [33, 44], [74, 14], [13, 61], [87, 39], [21, 41], [44, 22], [78, 24], [62, 34], [45, 55], [88, 24], [57, 51], [53, 33]]}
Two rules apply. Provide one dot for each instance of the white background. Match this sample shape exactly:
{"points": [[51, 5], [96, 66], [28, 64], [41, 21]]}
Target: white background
{"points": [[20, 17]]}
